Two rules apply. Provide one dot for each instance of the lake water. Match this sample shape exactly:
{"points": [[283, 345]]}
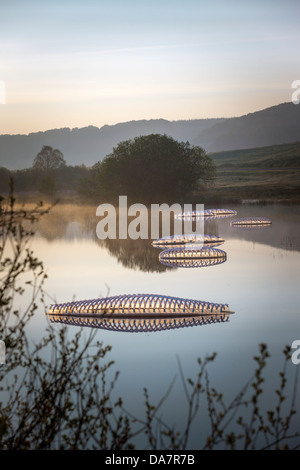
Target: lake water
{"points": [[259, 281]]}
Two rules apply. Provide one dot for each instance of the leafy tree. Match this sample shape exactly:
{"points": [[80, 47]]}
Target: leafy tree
{"points": [[152, 168], [49, 159]]}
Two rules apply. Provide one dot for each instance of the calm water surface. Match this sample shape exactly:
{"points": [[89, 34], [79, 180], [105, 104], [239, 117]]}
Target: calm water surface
{"points": [[259, 281]]}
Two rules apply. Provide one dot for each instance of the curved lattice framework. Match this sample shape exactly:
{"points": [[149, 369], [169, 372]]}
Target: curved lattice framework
{"points": [[202, 253], [186, 239], [251, 221], [206, 213], [191, 263], [141, 312]]}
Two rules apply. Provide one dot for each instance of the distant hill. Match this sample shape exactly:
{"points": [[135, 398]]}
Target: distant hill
{"points": [[276, 125], [90, 144]]}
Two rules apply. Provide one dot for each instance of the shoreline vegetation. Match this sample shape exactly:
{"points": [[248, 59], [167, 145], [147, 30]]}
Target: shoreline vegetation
{"points": [[260, 175]]}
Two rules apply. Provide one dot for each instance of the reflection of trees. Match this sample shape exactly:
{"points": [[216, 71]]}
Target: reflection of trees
{"points": [[135, 254]]}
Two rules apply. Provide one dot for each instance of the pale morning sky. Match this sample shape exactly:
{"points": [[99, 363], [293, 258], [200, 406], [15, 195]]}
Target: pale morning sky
{"points": [[71, 63]]}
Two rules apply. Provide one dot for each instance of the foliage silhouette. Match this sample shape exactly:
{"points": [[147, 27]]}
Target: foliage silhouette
{"points": [[48, 159], [150, 169]]}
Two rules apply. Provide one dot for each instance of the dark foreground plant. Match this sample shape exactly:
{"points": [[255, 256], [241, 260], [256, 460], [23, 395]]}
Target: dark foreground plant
{"points": [[54, 393], [59, 393], [240, 424]]}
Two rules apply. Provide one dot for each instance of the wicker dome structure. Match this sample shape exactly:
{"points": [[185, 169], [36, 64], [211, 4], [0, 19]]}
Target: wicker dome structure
{"points": [[215, 213], [193, 253], [186, 239], [251, 222], [138, 313]]}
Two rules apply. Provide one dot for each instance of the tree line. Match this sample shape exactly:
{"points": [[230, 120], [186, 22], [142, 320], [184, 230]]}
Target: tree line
{"points": [[148, 168], [48, 174]]}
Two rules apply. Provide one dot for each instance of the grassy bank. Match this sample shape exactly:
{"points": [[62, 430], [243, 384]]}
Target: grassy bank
{"points": [[264, 173]]}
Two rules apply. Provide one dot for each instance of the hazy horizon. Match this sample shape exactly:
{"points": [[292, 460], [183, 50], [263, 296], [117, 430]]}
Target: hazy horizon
{"points": [[137, 120], [106, 62]]}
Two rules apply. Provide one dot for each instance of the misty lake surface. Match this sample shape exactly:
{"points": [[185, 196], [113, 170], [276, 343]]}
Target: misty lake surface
{"points": [[259, 281]]}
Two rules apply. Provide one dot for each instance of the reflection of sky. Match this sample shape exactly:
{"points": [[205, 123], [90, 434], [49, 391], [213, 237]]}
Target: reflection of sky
{"points": [[259, 282], [101, 62]]}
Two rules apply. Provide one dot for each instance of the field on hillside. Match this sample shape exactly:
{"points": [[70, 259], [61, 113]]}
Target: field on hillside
{"points": [[265, 172]]}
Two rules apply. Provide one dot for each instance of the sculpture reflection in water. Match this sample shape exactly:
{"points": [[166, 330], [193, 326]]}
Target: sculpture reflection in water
{"points": [[139, 313], [192, 257]]}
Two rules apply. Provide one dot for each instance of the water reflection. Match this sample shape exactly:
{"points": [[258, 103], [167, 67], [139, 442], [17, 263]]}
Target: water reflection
{"points": [[192, 257], [139, 313], [78, 222], [134, 254]]}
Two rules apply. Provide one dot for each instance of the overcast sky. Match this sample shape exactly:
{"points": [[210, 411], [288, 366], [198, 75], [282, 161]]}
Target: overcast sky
{"points": [[76, 63]]}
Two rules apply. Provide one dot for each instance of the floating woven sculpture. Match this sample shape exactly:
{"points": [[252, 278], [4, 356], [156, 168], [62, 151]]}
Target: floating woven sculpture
{"points": [[185, 239], [206, 213], [202, 253], [251, 221], [139, 312]]}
